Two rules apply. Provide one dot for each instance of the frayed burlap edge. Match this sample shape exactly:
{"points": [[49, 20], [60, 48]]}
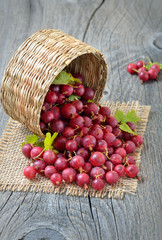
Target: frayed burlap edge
{"points": [[13, 162]]}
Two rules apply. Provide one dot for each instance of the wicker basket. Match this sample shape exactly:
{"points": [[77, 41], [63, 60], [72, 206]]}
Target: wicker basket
{"points": [[34, 66]]}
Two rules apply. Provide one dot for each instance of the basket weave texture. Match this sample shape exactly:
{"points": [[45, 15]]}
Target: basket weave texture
{"points": [[35, 65], [13, 162]]}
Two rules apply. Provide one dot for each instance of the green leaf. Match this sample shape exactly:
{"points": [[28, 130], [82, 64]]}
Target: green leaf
{"points": [[131, 117], [119, 115], [73, 97], [65, 78], [62, 78], [90, 100], [126, 128], [48, 141], [40, 144], [77, 80], [160, 65], [31, 138], [56, 151], [148, 66], [22, 144]]}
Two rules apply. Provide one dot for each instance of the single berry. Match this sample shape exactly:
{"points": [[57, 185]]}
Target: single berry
{"points": [[89, 142], [84, 153], [120, 169], [77, 162], [56, 179], [79, 90], [56, 112], [61, 99], [152, 73], [37, 152], [82, 180], [68, 132], [47, 117], [112, 177], [49, 157], [131, 171], [97, 172], [112, 121], [76, 122], [55, 88], [43, 126], [68, 110], [49, 170], [116, 159], [139, 64], [98, 184], [129, 160], [78, 105], [144, 76], [57, 126], [101, 146], [109, 166], [104, 111], [29, 172], [39, 166], [26, 150], [97, 159], [131, 67], [138, 140], [117, 143], [121, 151], [71, 145], [59, 143], [88, 94], [107, 129], [69, 174], [90, 109], [51, 97], [61, 163], [155, 67], [130, 147], [109, 138], [67, 90], [87, 121], [97, 133], [87, 167]]}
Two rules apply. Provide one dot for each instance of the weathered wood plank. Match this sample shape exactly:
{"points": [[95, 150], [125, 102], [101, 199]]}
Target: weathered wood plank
{"points": [[124, 31]]}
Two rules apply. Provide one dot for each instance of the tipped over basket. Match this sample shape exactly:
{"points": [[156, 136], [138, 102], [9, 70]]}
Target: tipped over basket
{"points": [[35, 65]]}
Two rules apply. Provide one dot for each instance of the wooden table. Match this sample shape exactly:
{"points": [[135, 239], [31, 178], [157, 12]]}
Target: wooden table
{"points": [[125, 31]]}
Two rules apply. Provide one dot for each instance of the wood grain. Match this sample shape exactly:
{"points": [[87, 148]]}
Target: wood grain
{"points": [[125, 31]]}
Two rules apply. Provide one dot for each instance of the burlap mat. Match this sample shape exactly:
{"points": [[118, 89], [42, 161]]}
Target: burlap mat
{"points": [[12, 162]]}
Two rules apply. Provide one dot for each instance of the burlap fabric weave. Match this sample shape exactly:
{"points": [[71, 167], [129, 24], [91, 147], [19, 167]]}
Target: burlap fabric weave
{"points": [[12, 162]]}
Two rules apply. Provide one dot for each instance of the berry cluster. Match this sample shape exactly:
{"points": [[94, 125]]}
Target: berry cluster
{"points": [[144, 70], [89, 145]]}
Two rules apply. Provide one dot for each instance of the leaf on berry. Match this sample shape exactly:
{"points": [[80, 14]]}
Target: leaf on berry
{"points": [[73, 97], [22, 144], [126, 128], [40, 144], [119, 115], [48, 141], [31, 138], [65, 78], [160, 65], [90, 100], [148, 66], [131, 117], [56, 151]]}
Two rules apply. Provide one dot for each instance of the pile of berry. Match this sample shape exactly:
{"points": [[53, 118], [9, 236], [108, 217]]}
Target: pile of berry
{"points": [[144, 70], [87, 142]]}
